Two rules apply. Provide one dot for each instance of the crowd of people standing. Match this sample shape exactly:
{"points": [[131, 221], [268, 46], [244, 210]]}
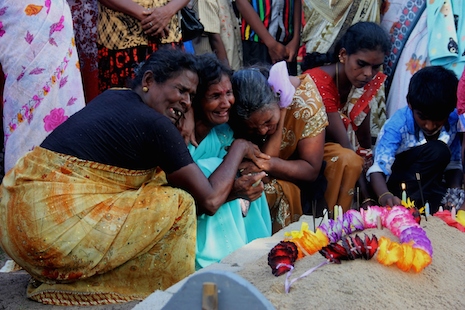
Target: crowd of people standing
{"points": [[131, 162]]}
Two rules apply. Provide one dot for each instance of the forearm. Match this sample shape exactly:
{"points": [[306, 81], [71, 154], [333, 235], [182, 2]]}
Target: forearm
{"points": [[175, 5], [363, 133], [218, 48], [385, 197], [293, 170], [221, 188], [378, 183], [297, 23], [454, 178], [252, 18], [126, 6], [336, 131]]}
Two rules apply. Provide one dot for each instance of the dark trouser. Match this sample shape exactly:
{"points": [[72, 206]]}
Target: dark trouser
{"points": [[256, 53], [429, 161]]}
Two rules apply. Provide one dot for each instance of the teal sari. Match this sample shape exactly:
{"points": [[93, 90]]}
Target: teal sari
{"points": [[228, 230]]}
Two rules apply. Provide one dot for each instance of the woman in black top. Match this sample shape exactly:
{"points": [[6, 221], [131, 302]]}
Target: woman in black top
{"points": [[93, 213]]}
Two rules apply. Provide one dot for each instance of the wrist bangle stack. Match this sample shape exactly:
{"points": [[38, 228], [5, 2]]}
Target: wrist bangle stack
{"points": [[382, 195]]}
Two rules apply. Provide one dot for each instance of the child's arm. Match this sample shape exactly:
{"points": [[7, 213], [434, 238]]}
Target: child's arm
{"points": [[453, 178], [294, 44], [385, 197], [217, 47], [453, 175], [389, 141], [276, 50]]}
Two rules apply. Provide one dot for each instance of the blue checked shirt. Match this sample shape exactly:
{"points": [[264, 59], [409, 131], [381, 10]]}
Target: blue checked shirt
{"points": [[398, 135]]}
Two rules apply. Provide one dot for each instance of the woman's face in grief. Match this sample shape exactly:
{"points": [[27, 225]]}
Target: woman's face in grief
{"points": [[217, 102], [174, 97], [362, 66], [264, 121]]}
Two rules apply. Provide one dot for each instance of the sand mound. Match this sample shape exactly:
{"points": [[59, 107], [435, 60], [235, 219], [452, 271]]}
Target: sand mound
{"points": [[364, 284]]}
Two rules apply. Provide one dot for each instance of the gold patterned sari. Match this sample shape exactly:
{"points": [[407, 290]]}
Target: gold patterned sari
{"points": [[90, 233], [305, 118]]}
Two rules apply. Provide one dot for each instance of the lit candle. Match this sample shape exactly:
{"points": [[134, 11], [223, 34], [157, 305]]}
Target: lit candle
{"points": [[427, 208], [404, 193]]}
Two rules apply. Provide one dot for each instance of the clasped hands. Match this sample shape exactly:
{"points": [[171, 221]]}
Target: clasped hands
{"points": [[156, 22], [250, 181]]}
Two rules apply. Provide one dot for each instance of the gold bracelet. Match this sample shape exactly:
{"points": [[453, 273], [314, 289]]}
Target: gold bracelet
{"points": [[382, 195], [367, 200]]}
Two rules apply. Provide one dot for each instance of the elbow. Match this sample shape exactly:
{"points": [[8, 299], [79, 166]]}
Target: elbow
{"points": [[209, 206]]}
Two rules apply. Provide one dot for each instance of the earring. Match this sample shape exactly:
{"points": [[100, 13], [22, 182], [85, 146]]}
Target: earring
{"points": [[145, 89], [341, 60]]}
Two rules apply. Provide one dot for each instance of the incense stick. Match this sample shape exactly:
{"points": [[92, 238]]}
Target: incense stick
{"points": [[421, 194]]}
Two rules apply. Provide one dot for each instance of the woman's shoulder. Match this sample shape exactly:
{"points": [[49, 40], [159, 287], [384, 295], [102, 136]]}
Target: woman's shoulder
{"points": [[307, 96], [319, 74]]}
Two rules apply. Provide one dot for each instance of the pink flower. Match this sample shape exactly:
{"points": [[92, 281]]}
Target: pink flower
{"points": [[54, 119], [2, 32]]}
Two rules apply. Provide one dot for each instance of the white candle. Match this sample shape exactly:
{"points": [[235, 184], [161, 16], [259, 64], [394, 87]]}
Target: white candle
{"points": [[336, 212], [427, 212], [325, 215], [404, 193]]}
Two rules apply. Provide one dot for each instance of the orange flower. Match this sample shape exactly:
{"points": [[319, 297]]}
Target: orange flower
{"points": [[421, 260], [406, 260], [33, 9], [404, 255], [307, 241], [388, 251]]}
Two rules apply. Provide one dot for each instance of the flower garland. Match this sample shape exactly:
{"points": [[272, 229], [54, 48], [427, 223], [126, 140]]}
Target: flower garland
{"points": [[414, 252]]}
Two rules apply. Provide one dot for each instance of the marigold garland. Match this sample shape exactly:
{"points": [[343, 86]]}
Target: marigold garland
{"points": [[413, 252]]}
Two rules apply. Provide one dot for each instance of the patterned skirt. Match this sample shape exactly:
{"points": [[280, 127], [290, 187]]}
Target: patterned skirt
{"points": [[116, 67], [92, 234]]}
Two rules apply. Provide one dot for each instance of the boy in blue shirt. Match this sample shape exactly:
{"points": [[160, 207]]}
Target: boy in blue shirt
{"points": [[420, 139]]}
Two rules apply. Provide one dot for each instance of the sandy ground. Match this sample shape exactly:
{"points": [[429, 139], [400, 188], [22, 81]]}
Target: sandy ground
{"points": [[355, 284], [362, 284], [13, 293]]}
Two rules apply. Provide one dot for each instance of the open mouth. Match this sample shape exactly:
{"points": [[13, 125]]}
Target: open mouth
{"points": [[222, 113], [431, 133], [177, 115]]}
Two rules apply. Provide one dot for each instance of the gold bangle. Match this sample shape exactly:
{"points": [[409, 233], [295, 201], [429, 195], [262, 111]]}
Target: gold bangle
{"points": [[382, 195], [367, 200]]}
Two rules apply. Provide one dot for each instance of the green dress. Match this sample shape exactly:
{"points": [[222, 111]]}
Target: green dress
{"points": [[228, 230]]}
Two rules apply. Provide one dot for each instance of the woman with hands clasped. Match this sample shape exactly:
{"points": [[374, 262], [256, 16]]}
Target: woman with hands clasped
{"points": [[129, 31], [289, 127], [245, 215], [104, 211]]}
